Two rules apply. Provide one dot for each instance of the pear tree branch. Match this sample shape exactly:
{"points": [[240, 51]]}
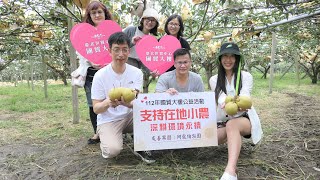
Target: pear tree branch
{"points": [[202, 22]]}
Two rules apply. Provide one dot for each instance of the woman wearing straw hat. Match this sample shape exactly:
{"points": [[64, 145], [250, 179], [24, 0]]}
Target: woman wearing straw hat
{"points": [[231, 81]]}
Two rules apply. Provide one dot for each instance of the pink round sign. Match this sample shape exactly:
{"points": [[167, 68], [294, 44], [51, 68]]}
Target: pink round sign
{"points": [[92, 42], [157, 56]]}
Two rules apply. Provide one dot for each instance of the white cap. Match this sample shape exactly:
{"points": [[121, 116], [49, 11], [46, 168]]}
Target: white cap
{"points": [[150, 13]]}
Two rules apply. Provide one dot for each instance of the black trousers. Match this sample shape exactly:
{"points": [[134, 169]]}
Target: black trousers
{"points": [[93, 118]]}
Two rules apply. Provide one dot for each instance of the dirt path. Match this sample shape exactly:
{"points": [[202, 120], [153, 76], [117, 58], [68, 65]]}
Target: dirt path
{"points": [[292, 151]]}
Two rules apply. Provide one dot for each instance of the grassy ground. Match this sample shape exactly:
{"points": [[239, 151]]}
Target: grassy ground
{"points": [[22, 99], [42, 113], [38, 133]]}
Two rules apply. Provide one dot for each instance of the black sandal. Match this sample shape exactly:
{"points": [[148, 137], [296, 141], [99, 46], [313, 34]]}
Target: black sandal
{"points": [[93, 141]]}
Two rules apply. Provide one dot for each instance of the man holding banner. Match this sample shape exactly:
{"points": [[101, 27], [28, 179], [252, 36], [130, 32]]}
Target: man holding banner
{"points": [[181, 79], [184, 116]]}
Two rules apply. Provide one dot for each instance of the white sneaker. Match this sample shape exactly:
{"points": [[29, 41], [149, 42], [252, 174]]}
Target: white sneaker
{"points": [[227, 176]]}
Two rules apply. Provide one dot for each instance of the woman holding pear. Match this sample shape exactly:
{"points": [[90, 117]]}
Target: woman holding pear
{"points": [[235, 116]]}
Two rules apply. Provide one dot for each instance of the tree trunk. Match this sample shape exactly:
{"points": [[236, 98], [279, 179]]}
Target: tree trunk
{"points": [[314, 79], [31, 74], [266, 72], [64, 80], [273, 53], [73, 59], [15, 81], [264, 76], [146, 80], [208, 69], [45, 74], [55, 76]]}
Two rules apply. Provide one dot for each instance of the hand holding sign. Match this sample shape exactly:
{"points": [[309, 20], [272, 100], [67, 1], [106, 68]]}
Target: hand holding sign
{"points": [[135, 39], [92, 42], [157, 56]]}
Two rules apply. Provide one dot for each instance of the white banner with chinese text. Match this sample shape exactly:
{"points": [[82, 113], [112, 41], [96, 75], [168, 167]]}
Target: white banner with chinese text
{"points": [[164, 121]]}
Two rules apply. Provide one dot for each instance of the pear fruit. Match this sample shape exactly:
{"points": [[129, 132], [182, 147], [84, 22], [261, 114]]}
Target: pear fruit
{"points": [[37, 40], [81, 3], [128, 95], [207, 36], [228, 99], [231, 108], [185, 12], [244, 102], [115, 93], [197, 1]]}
